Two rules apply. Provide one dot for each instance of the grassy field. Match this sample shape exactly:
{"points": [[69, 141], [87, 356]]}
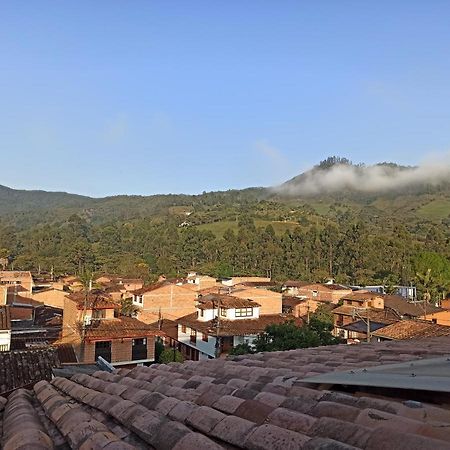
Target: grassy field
{"points": [[219, 228], [436, 209]]}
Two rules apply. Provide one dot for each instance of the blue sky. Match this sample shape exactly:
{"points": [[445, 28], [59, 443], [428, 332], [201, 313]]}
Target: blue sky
{"points": [[143, 97]]}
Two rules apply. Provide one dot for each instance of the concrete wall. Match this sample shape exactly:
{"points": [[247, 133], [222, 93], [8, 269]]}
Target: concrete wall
{"points": [[172, 301], [53, 297]]}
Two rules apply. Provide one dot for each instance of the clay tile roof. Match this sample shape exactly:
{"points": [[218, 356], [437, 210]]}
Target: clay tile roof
{"points": [[123, 327], [211, 301], [255, 401], [412, 329], [405, 308], [96, 299], [19, 300], [5, 318]]}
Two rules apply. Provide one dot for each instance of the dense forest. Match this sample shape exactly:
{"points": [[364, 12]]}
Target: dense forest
{"points": [[356, 239]]}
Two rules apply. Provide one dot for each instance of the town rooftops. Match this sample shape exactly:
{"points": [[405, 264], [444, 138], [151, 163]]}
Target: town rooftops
{"points": [[96, 299], [241, 327], [412, 329], [5, 318], [211, 301], [251, 401]]}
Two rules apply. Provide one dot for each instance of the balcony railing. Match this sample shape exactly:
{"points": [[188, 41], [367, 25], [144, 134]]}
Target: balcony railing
{"points": [[4, 347]]}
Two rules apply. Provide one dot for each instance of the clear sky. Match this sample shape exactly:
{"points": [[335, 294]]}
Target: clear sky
{"points": [[142, 97]]}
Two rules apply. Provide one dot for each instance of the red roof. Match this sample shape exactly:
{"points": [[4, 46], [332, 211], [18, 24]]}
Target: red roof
{"points": [[123, 327], [96, 299]]}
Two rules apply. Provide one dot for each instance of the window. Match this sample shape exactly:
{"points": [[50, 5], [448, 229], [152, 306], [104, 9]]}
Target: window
{"points": [[202, 313], [193, 336], [223, 312], [204, 337], [244, 312], [98, 314], [183, 328], [315, 293]]}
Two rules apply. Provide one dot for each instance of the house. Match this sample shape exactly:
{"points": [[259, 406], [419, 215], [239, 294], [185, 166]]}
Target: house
{"points": [[270, 301], [19, 278], [199, 282], [291, 287], [408, 292], [92, 325], [166, 299], [256, 401], [220, 323], [375, 307], [5, 329], [411, 329]]}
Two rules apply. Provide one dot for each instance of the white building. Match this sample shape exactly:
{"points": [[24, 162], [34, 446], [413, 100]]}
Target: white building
{"points": [[220, 323]]}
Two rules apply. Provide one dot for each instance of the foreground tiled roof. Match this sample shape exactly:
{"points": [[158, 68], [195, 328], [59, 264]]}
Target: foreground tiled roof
{"points": [[254, 402]]}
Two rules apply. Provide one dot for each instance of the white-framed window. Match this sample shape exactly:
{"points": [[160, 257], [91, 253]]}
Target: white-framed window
{"points": [[244, 312]]}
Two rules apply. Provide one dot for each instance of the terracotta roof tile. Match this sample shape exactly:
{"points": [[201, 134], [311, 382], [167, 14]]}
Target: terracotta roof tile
{"points": [[253, 401]]}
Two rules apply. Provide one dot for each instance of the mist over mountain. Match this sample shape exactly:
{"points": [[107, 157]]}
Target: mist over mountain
{"points": [[335, 175], [332, 180]]}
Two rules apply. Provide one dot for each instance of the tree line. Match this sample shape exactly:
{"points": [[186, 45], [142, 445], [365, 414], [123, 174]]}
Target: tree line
{"points": [[349, 251]]}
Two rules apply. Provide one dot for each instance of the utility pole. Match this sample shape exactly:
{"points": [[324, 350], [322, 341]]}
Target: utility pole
{"points": [[217, 345], [366, 320]]}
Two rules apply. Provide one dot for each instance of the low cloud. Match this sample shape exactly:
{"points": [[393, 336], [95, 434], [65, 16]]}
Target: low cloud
{"points": [[376, 178]]}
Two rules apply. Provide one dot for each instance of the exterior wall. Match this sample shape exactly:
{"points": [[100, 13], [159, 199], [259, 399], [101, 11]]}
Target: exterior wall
{"points": [[71, 317], [302, 309], [207, 348], [5, 340], [172, 301], [3, 295], [441, 317], [271, 302], [121, 350], [53, 297]]}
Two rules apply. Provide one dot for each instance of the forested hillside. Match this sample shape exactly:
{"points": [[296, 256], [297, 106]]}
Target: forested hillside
{"points": [[361, 237]]}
